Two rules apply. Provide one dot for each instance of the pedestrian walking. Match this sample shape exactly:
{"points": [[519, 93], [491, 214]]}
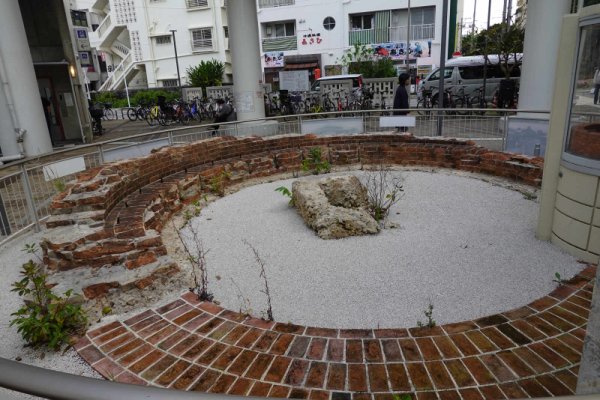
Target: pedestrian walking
{"points": [[596, 84], [224, 113], [401, 97]]}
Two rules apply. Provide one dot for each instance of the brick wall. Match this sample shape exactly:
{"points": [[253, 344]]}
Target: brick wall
{"points": [[125, 204]]}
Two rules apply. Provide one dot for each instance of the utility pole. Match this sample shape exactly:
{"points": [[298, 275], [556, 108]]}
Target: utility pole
{"points": [[408, 40], [504, 11], [509, 12], [485, 58], [473, 26], [177, 59], [440, 125]]}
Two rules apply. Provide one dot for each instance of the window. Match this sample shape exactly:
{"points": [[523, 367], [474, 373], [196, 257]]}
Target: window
{"points": [[359, 22], [202, 39], [284, 29], [582, 146], [196, 3], [471, 72], [226, 31], [79, 18], [329, 23], [422, 16], [169, 82], [166, 39], [436, 75]]}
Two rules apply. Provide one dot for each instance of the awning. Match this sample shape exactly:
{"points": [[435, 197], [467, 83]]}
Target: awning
{"points": [[301, 66]]}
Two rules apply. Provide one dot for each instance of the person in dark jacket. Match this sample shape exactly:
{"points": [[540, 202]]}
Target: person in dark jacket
{"points": [[224, 114], [401, 97]]}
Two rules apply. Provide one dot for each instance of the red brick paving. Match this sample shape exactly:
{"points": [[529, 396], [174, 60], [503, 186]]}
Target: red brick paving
{"points": [[531, 351]]}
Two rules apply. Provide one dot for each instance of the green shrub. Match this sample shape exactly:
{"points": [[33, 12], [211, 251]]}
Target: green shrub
{"points": [[207, 73], [45, 319], [314, 162]]}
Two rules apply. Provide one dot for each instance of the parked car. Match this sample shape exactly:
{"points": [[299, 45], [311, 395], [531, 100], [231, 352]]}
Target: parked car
{"points": [[468, 72]]}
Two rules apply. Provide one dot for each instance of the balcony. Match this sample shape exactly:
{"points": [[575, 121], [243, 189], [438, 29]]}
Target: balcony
{"points": [[108, 32], [280, 43], [275, 3], [392, 34]]}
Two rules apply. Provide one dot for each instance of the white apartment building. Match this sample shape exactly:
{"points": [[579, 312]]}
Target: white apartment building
{"points": [[311, 34], [135, 39]]}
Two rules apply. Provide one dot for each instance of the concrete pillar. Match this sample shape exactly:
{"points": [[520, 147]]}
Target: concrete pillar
{"points": [[20, 95], [245, 59], [542, 38]]}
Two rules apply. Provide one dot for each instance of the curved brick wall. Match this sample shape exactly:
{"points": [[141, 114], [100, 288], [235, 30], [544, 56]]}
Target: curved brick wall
{"points": [[124, 205]]}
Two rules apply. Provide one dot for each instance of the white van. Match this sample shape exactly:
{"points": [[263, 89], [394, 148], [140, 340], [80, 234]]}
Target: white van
{"points": [[467, 72], [356, 79]]}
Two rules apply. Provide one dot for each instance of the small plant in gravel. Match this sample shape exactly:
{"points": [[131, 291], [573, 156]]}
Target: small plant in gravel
{"points": [[245, 308], [558, 279], [263, 274], [429, 314], [286, 192], [384, 190], [217, 183], [404, 396], [193, 211], [45, 319], [196, 255], [314, 162]]}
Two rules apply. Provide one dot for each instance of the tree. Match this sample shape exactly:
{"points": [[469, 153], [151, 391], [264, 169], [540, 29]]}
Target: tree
{"points": [[207, 73], [361, 59]]}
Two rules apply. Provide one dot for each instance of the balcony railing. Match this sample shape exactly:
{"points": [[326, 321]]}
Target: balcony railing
{"points": [[392, 34], [118, 73], [280, 43], [275, 3], [104, 26]]}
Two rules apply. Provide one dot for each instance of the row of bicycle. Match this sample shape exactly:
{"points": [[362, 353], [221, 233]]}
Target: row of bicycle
{"points": [[315, 102], [457, 99], [161, 112]]}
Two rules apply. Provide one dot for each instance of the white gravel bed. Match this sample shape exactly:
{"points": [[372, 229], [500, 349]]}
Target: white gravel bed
{"points": [[465, 245]]}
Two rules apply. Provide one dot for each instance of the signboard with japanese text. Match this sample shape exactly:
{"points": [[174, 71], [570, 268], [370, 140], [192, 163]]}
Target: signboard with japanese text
{"points": [[274, 59]]}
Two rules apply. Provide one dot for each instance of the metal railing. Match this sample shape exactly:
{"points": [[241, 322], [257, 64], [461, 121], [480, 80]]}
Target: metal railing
{"points": [[28, 186], [391, 34], [275, 3]]}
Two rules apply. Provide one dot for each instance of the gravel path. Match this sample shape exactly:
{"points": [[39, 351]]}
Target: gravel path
{"points": [[464, 245]]}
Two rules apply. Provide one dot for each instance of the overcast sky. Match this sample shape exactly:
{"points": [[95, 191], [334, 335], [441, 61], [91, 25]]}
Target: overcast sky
{"points": [[482, 11]]}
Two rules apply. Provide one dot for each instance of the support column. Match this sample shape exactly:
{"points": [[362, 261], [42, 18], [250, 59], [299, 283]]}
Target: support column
{"points": [[542, 38], [20, 97], [245, 59]]}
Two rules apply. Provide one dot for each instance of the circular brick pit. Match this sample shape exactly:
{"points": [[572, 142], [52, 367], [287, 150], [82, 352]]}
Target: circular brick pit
{"points": [[105, 229]]}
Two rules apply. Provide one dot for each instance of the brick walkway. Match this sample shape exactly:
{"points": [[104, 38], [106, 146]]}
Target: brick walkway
{"points": [[532, 351]]}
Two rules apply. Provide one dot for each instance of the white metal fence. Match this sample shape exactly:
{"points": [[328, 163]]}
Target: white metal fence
{"points": [[26, 191]]}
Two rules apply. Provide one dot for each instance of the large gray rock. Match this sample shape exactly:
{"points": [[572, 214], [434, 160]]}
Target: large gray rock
{"points": [[334, 207]]}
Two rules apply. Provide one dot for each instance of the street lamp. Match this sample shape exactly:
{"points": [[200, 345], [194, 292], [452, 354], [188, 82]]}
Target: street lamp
{"points": [[176, 59]]}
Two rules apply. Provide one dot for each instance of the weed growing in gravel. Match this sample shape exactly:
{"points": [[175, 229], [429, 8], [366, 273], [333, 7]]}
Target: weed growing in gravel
{"points": [[263, 275], [403, 396], [314, 162], [197, 257], [384, 191], [558, 279], [245, 308], [429, 314], [191, 213], [45, 319], [286, 192], [217, 183]]}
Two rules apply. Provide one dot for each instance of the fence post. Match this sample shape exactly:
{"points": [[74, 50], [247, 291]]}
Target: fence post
{"points": [[170, 136], [299, 124], [29, 198], [505, 133], [101, 154]]}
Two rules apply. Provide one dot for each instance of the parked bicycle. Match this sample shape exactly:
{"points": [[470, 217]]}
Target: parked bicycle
{"points": [[425, 104]]}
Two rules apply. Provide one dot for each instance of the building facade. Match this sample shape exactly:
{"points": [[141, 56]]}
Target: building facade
{"points": [[311, 34], [136, 39]]}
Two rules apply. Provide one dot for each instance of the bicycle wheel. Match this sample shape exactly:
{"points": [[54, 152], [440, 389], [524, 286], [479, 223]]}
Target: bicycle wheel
{"points": [[422, 107], [478, 102], [109, 113], [132, 114], [460, 106]]}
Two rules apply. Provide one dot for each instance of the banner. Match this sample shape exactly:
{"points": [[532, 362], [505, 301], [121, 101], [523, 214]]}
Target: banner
{"points": [[398, 50], [274, 59]]}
